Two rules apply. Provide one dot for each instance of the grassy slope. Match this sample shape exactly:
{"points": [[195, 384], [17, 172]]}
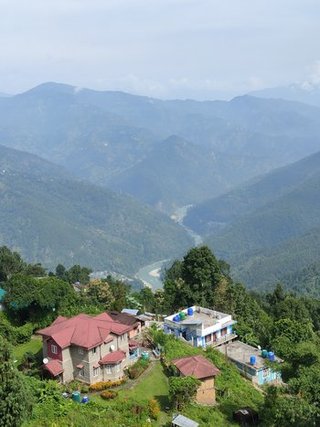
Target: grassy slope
{"points": [[34, 346], [233, 392]]}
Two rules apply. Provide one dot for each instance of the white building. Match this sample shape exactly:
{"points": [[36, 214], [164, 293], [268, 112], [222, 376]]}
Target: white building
{"points": [[201, 327]]}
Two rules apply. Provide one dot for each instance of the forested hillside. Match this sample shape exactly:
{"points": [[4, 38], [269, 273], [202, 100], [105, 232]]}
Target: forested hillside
{"points": [[121, 140], [52, 218], [268, 229]]}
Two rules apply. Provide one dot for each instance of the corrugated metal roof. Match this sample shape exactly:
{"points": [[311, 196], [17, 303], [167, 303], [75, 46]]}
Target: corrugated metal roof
{"points": [[130, 311], [182, 421]]}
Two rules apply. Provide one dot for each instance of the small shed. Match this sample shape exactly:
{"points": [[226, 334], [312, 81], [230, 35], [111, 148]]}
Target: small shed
{"points": [[201, 368], [182, 421]]}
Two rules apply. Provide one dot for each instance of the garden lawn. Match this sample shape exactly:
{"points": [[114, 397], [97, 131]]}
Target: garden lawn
{"points": [[153, 384], [32, 346]]}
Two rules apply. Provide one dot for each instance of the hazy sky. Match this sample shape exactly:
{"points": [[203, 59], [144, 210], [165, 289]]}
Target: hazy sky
{"points": [[165, 48]]}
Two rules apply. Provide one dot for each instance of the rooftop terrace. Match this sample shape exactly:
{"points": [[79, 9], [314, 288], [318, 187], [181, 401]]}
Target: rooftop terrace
{"points": [[202, 316], [241, 352]]}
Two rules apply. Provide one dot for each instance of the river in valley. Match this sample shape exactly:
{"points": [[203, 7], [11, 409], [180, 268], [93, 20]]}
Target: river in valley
{"points": [[150, 274]]}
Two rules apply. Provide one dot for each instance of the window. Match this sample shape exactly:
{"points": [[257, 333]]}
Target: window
{"points": [[80, 350], [81, 372], [54, 349], [108, 369], [94, 350], [96, 372]]}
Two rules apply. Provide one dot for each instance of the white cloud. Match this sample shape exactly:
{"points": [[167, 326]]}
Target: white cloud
{"points": [[166, 48]]}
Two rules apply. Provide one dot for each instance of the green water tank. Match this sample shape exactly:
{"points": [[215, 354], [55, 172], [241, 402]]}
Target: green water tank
{"points": [[76, 396], [182, 315], [264, 354]]}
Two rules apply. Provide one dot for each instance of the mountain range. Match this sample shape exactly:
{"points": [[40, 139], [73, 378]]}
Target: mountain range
{"points": [[82, 166], [306, 92], [268, 229], [116, 139], [51, 217]]}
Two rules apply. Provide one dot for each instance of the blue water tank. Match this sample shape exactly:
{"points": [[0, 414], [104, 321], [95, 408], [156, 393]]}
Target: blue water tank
{"points": [[190, 311], [176, 318], [271, 356], [85, 399], [253, 360]]}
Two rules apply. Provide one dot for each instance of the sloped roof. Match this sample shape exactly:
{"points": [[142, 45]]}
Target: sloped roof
{"points": [[54, 367], [113, 358], [182, 421], [196, 366], [124, 318], [83, 330], [134, 344], [131, 311]]}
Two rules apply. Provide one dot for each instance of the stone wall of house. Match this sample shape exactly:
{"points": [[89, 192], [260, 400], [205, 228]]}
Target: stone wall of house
{"points": [[206, 393]]}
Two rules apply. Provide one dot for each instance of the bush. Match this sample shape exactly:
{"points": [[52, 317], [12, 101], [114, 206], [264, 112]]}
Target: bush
{"points": [[15, 334], [74, 386], [154, 408], [137, 369], [103, 385], [84, 389], [109, 394]]}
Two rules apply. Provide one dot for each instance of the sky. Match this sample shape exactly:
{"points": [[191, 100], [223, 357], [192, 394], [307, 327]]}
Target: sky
{"points": [[201, 49]]}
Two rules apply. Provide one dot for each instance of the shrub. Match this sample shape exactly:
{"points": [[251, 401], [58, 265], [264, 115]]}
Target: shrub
{"points": [[84, 388], [109, 394], [74, 386], [103, 385], [137, 369], [154, 408], [15, 334]]}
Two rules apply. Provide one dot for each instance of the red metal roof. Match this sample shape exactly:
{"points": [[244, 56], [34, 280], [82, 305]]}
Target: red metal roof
{"points": [[83, 330], [196, 366], [113, 358], [54, 367], [134, 344]]}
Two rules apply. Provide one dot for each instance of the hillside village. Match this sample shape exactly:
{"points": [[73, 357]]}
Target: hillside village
{"points": [[104, 353]]}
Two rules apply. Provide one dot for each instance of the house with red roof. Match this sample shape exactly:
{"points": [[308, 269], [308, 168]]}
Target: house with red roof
{"points": [[87, 348], [201, 368]]}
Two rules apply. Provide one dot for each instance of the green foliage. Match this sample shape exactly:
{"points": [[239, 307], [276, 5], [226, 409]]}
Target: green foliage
{"points": [[37, 299], [100, 293], [286, 411], [194, 280], [11, 263], [182, 390], [120, 292], [135, 370], [15, 397], [78, 274], [15, 334]]}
